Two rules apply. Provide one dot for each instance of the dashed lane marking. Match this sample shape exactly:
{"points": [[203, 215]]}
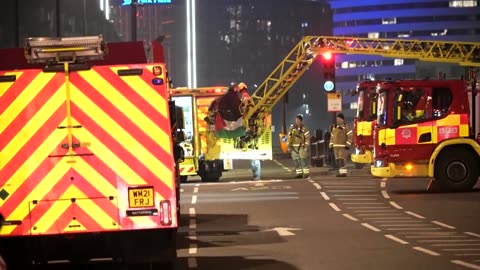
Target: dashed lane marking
{"points": [[195, 190], [317, 186], [414, 214], [468, 265], [193, 249], [335, 207], [473, 234], [194, 199], [396, 239], [191, 212], [394, 204], [325, 196], [193, 224], [383, 184], [427, 251], [350, 217], [443, 224], [385, 194], [375, 229]]}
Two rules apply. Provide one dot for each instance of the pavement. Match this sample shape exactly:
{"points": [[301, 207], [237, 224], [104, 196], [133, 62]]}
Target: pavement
{"points": [[355, 222]]}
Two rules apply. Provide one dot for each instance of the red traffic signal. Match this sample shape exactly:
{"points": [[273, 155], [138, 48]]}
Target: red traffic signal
{"points": [[327, 56]]}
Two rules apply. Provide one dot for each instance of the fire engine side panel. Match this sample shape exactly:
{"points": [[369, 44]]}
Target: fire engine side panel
{"points": [[121, 164]]}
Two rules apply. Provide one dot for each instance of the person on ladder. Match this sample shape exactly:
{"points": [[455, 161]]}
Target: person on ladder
{"points": [[298, 143], [340, 141]]}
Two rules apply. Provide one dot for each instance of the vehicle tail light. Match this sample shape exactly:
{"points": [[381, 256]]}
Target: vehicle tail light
{"points": [[409, 167], [157, 70], [165, 212]]}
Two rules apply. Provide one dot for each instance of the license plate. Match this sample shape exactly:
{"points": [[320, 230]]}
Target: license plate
{"points": [[140, 197]]}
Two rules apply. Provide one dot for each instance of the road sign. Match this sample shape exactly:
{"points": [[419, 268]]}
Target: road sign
{"points": [[334, 101], [328, 86]]}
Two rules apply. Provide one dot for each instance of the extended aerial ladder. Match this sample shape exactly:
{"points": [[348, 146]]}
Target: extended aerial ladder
{"points": [[284, 76]]}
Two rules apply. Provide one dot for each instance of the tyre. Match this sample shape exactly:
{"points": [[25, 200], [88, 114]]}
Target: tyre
{"points": [[183, 178], [456, 169]]}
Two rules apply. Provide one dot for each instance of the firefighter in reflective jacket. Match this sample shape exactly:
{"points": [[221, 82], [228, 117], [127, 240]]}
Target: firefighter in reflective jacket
{"points": [[340, 141], [298, 143]]}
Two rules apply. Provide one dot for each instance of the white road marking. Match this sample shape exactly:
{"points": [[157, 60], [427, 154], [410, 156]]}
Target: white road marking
{"points": [[317, 186], [396, 239], [388, 218], [456, 245], [449, 240], [192, 262], [197, 185], [359, 203], [379, 214], [427, 251], [405, 225], [195, 190], [375, 229], [384, 179], [259, 184], [335, 207], [325, 196], [394, 204], [414, 229], [191, 212], [368, 207], [473, 234], [311, 181], [350, 217], [182, 190], [468, 265], [385, 194], [436, 236], [383, 184], [281, 165], [194, 199], [375, 211], [414, 214], [193, 224], [193, 249], [443, 225]]}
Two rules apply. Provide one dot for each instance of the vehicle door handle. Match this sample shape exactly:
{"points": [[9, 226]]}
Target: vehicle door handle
{"points": [[425, 137]]}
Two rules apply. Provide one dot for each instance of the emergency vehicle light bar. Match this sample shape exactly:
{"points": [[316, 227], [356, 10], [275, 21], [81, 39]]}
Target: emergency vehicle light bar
{"points": [[69, 49]]}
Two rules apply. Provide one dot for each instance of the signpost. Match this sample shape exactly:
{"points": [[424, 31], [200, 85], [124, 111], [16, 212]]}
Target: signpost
{"points": [[334, 101]]}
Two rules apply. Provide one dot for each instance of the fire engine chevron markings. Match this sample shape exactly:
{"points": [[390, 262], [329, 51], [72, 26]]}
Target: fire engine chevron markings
{"points": [[283, 231]]}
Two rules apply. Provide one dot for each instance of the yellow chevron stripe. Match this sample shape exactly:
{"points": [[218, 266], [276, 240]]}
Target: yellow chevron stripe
{"points": [[123, 137], [94, 178], [30, 128], [6, 85], [42, 188], [98, 214], [132, 112], [121, 168], [145, 90], [55, 210], [25, 97]]}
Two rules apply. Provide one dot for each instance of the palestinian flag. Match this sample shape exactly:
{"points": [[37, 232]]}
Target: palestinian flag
{"points": [[228, 129]]}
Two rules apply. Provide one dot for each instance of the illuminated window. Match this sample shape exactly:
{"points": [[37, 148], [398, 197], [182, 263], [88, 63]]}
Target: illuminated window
{"points": [[389, 20], [353, 105], [398, 62], [352, 65], [345, 64], [463, 3], [403, 35], [373, 35]]}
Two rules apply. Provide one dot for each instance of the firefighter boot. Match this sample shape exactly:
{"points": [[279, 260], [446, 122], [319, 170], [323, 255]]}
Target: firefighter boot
{"points": [[342, 171]]}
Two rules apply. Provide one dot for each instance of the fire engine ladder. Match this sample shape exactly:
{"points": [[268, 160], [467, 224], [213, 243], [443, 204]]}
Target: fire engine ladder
{"points": [[303, 54], [64, 55]]}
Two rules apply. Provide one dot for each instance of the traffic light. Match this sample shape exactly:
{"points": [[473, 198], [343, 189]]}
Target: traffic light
{"points": [[328, 67]]}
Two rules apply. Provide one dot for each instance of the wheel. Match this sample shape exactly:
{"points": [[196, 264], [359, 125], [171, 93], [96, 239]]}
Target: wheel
{"points": [[456, 169], [359, 165], [183, 178]]}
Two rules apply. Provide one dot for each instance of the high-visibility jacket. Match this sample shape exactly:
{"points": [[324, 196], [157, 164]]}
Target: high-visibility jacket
{"points": [[341, 136], [299, 136]]}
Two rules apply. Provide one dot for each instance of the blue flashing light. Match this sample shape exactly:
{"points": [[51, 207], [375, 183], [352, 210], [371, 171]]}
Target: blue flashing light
{"points": [[328, 86], [157, 81]]}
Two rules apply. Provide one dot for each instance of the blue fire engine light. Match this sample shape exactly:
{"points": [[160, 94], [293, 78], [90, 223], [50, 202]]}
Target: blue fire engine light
{"points": [[157, 81]]}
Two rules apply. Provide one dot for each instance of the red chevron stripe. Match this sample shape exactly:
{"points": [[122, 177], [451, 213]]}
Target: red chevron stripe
{"points": [[126, 156], [32, 144], [125, 90], [15, 90], [66, 217], [26, 114], [126, 123], [62, 185]]}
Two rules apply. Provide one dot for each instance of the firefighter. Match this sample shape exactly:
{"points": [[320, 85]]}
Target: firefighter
{"points": [[298, 143], [340, 141]]}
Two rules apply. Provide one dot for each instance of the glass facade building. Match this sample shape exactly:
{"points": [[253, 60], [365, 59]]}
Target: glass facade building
{"points": [[454, 20]]}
